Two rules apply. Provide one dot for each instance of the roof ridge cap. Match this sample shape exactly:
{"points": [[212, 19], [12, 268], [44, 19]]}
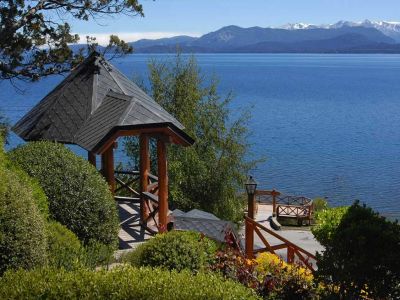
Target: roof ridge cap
{"points": [[110, 68]]}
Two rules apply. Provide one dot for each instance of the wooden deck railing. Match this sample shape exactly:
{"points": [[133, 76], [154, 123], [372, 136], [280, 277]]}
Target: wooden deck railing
{"points": [[287, 205], [128, 189], [295, 254], [127, 185]]}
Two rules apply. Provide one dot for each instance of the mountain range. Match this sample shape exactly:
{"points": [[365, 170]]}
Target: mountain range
{"points": [[341, 37]]}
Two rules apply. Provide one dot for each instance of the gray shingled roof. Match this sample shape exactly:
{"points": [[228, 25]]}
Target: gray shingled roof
{"points": [[203, 222], [214, 229], [200, 214], [95, 99]]}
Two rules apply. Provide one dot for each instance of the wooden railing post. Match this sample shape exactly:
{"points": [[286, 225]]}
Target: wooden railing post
{"points": [[274, 194], [249, 239], [162, 184], [249, 230], [290, 254], [107, 159], [144, 170]]}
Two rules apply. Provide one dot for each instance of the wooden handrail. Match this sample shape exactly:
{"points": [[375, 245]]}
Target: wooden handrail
{"points": [[125, 172], [150, 196], [153, 177], [292, 249]]}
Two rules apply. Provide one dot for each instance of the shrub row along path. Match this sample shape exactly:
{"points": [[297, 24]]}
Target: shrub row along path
{"points": [[302, 238], [131, 234]]}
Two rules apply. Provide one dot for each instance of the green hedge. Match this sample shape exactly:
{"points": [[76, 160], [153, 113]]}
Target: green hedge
{"points": [[79, 197], [64, 248], [119, 283], [175, 250], [22, 226], [327, 220], [66, 251]]}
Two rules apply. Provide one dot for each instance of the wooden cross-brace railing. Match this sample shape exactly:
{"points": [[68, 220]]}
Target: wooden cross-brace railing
{"points": [[295, 254], [127, 190], [126, 186]]}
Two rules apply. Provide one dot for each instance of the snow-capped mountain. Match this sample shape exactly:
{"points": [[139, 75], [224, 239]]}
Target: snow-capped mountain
{"points": [[296, 26], [391, 29]]}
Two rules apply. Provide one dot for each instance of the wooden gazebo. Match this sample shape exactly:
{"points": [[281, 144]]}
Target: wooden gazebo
{"points": [[94, 106]]}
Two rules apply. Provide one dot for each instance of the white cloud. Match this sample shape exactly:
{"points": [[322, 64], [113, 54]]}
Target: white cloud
{"points": [[103, 38]]}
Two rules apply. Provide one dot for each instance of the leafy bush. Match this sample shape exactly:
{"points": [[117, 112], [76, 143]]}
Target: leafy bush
{"points": [[268, 275], [64, 248], [97, 254], [119, 283], [233, 265], [283, 281], [79, 197], [66, 251], [319, 204], [327, 221], [22, 228], [175, 250], [362, 255]]}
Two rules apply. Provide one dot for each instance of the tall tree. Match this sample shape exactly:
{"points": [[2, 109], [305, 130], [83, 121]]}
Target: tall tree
{"points": [[209, 174], [34, 38]]}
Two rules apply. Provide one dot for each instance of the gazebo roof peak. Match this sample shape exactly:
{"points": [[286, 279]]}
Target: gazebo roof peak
{"points": [[91, 104]]}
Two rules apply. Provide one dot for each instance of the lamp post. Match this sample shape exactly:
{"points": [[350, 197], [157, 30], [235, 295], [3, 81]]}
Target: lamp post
{"points": [[251, 186]]}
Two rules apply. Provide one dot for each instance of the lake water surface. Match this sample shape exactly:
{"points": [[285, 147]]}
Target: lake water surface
{"points": [[329, 125]]}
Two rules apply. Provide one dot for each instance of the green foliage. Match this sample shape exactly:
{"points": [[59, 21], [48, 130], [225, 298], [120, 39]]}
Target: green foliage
{"points": [[64, 248], [208, 174], [362, 255], [119, 283], [327, 221], [320, 204], [66, 251], [4, 129], [268, 275], [22, 229], [97, 254], [175, 250], [34, 44], [79, 197]]}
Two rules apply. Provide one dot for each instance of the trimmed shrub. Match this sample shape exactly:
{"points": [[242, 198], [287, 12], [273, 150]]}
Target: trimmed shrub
{"points": [[66, 251], [327, 221], [64, 248], [97, 254], [79, 197], [22, 229], [362, 256], [119, 283], [175, 250], [37, 192]]}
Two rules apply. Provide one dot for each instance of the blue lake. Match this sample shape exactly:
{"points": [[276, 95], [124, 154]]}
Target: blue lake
{"points": [[329, 125]]}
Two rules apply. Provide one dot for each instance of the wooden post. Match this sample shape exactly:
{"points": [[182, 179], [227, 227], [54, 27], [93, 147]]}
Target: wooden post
{"points": [[144, 169], [290, 255], [92, 158], [249, 231], [162, 185], [274, 194], [107, 160], [249, 238]]}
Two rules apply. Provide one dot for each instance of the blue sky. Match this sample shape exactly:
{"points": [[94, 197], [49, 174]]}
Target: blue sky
{"points": [[164, 18]]}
